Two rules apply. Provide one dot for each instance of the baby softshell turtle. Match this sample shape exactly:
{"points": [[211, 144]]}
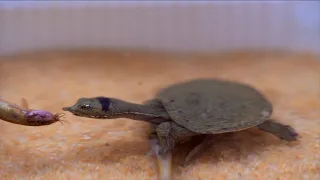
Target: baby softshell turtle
{"points": [[190, 108]]}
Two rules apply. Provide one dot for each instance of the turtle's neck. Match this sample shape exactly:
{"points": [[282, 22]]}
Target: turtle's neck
{"points": [[141, 112]]}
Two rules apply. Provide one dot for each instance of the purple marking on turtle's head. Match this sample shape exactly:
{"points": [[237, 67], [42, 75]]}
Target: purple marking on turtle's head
{"points": [[41, 117]]}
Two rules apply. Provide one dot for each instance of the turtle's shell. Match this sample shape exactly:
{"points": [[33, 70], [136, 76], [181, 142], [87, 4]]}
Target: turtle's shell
{"points": [[215, 106]]}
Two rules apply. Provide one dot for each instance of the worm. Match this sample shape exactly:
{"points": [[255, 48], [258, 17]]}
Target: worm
{"points": [[21, 115]]}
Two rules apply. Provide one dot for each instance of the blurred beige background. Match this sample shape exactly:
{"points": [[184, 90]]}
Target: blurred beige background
{"points": [[170, 26]]}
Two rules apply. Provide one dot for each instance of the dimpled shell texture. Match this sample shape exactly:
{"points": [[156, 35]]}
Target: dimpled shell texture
{"points": [[215, 106]]}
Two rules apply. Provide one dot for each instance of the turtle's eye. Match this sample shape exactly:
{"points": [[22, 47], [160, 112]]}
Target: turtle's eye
{"points": [[85, 106]]}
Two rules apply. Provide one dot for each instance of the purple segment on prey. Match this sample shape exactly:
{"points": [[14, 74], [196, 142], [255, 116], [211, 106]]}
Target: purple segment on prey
{"points": [[40, 115]]}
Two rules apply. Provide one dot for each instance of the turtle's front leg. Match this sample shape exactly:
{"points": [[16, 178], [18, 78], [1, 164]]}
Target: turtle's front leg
{"points": [[153, 141], [168, 132], [164, 162]]}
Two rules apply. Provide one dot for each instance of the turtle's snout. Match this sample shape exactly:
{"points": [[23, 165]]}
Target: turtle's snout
{"points": [[75, 110], [66, 108], [70, 109]]}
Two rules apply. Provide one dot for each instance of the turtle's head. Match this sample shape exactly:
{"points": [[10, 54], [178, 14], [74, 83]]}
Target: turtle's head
{"points": [[97, 107], [113, 108]]}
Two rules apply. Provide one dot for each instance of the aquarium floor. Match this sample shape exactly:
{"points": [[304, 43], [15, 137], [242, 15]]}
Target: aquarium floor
{"points": [[114, 149]]}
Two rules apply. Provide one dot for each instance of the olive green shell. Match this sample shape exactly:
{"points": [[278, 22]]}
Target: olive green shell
{"points": [[214, 106]]}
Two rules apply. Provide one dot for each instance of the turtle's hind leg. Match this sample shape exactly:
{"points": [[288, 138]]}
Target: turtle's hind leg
{"points": [[282, 131], [199, 148]]}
